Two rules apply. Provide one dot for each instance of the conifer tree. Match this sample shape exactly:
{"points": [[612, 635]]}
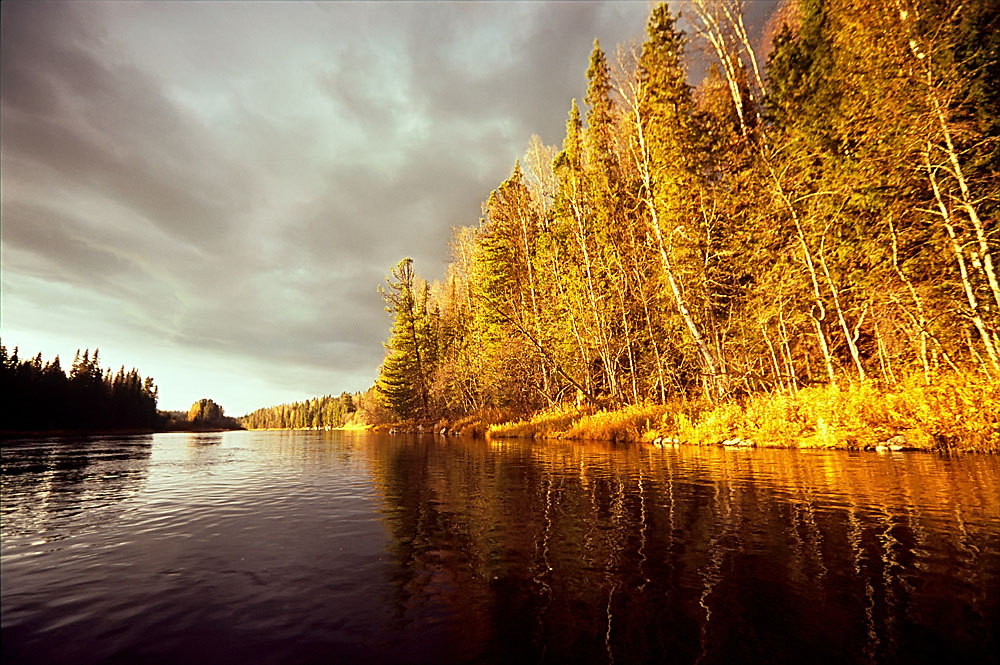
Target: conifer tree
{"points": [[40, 396], [584, 189], [403, 379], [600, 116], [669, 159]]}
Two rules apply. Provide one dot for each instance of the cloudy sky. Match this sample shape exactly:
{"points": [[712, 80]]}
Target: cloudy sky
{"points": [[212, 192]]}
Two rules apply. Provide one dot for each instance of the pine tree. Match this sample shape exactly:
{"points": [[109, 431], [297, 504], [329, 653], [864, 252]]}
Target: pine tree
{"points": [[600, 118]]}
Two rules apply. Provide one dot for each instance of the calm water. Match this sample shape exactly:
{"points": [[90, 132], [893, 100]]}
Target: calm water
{"points": [[333, 547]]}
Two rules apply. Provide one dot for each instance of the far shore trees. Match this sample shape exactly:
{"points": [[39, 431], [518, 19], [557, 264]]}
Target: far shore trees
{"points": [[323, 412], [40, 396], [205, 411]]}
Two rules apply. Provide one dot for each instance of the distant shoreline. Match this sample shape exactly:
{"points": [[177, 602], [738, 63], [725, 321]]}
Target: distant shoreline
{"points": [[343, 428], [191, 429]]}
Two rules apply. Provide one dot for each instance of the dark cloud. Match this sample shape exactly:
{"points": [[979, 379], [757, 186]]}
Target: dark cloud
{"points": [[527, 77], [109, 129]]}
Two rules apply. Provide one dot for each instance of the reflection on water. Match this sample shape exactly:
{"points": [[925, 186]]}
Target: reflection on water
{"points": [[344, 547], [204, 438], [47, 482], [565, 552]]}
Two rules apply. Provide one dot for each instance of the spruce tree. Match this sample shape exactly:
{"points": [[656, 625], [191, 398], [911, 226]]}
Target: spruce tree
{"points": [[403, 379]]}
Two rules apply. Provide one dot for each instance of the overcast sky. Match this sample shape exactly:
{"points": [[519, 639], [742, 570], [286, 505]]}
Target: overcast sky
{"points": [[212, 192]]}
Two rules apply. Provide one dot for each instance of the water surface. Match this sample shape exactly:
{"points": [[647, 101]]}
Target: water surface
{"points": [[337, 547]]}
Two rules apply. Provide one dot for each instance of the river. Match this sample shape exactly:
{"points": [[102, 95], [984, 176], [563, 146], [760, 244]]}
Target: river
{"points": [[341, 547]]}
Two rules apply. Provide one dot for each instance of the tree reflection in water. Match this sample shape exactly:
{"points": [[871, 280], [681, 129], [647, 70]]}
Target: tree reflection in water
{"points": [[561, 552], [354, 547]]}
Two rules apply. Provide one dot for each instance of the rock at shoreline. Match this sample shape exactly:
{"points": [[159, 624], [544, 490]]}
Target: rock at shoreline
{"points": [[894, 443]]}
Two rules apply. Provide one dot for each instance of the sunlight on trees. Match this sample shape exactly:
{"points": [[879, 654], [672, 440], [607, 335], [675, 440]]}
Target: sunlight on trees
{"points": [[826, 218]]}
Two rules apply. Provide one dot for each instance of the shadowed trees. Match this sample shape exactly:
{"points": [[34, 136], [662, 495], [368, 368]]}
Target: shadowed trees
{"points": [[40, 396]]}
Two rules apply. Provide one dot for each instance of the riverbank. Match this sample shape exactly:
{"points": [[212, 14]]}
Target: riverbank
{"points": [[956, 413]]}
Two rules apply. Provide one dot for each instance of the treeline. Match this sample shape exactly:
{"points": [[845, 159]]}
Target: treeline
{"points": [[317, 413], [40, 396], [827, 217]]}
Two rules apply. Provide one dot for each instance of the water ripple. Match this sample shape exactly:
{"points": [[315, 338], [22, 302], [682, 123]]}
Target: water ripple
{"points": [[291, 546]]}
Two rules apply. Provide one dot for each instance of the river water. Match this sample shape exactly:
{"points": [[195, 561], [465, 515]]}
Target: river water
{"points": [[339, 547]]}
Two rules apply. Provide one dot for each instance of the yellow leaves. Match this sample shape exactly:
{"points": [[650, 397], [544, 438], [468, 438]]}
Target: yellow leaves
{"points": [[957, 412]]}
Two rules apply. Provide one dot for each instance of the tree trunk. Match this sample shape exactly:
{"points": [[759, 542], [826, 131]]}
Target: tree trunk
{"points": [[922, 321], [710, 364], [970, 294], [851, 345], [807, 256]]}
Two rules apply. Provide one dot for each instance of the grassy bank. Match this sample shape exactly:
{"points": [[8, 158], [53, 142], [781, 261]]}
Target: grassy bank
{"points": [[960, 413], [475, 425]]}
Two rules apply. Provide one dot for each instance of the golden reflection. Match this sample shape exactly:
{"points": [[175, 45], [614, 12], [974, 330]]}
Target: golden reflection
{"points": [[643, 529], [599, 540], [889, 545], [855, 539], [541, 578]]}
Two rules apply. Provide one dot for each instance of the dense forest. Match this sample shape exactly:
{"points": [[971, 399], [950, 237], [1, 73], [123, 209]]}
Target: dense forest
{"points": [[40, 396], [318, 413], [821, 214]]}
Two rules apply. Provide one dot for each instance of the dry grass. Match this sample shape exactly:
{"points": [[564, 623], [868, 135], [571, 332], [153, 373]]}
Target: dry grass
{"points": [[567, 422], [628, 424], [549, 423], [477, 425], [957, 412]]}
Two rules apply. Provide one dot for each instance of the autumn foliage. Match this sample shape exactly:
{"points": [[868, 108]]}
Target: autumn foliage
{"points": [[793, 252]]}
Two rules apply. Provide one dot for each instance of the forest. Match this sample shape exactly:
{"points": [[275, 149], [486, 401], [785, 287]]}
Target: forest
{"points": [[41, 396], [327, 412], [806, 237]]}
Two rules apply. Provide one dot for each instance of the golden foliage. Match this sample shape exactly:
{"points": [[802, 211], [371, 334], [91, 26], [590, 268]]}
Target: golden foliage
{"points": [[956, 412], [627, 424]]}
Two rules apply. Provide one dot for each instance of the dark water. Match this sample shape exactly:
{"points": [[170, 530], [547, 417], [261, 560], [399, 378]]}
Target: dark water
{"points": [[340, 548]]}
